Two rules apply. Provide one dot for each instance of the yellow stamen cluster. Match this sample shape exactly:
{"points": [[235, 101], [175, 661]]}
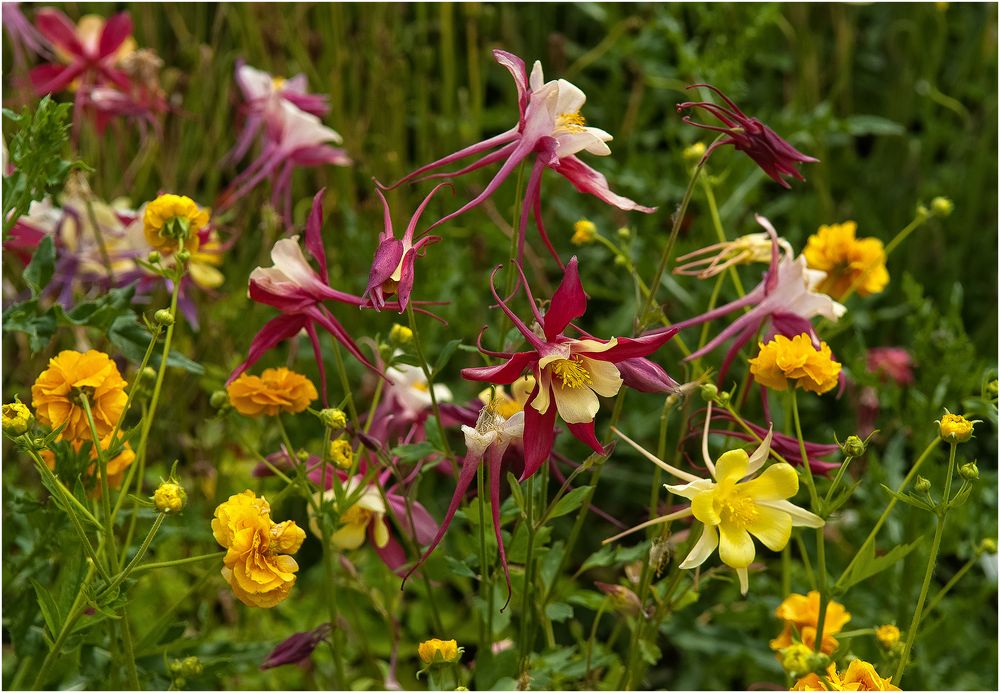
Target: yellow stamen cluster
{"points": [[341, 453], [170, 220], [572, 373], [848, 261], [783, 359], [571, 122]]}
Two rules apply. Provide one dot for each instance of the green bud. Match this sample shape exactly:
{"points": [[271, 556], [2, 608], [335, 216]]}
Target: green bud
{"points": [[153, 257], [988, 546], [709, 392], [183, 255], [969, 471], [303, 455], [922, 485], [164, 317], [723, 399], [334, 419], [620, 261], [219, 399], [853, 447], [149, 373], [624, 233], [942, 206], [992, 389]]}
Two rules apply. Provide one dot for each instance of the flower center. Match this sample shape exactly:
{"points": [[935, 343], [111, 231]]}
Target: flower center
{"points": [[737, 509], [356, 515], [572, 372], [571, 122]]}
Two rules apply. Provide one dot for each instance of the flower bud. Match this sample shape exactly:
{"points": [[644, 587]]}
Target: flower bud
{"points": [[693, 153], [987, 546], [153, 257], [709, 392], [992, 389], [584, 232], [303, 456], [624, 233], [169, 497], [955, 428], [341, 453], [796, 659], [436, 651], [620, 261], [399, 334], [17, 418], [334, 419], [922, 485], [164, 317], [969, 471], [853, 447], [622, 598], [219, 399], [942, 206], [887, 636], [149, 373], [183, 255]]}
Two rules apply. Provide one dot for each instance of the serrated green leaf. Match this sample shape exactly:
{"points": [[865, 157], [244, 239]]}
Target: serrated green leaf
{"points": [[908, 499], [602, 558], [39, 271], [649, 652], [26, 317]]}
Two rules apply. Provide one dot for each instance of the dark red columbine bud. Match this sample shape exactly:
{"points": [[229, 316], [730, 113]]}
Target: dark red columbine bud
{"points": [[297, 648], [774, 155]]}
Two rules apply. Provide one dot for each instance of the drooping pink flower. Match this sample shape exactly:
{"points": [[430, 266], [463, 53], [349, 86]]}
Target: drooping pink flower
{"points": [[292, 138], [775, 156], [24, 37], [297, 648], [569, 373], [893, 363], [292, 286], [392, 271], [552, 130], [786, 298]]}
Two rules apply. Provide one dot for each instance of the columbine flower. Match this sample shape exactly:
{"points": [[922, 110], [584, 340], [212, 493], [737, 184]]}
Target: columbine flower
{"points": [[24, 37], [550, 128], [275, 390], [293, 138], [436, 651], [366, 514], [849, 262], [409, 389], [718, 257], [392, 271], [734, 504], [262, 93], [860, 676], [786, 297], [55, 395], [782, 360], [570, 373], [800, 615], [774, 155], [489, 440], [297, 290], [894, 363], [256, 565], [297, 648], [172, 220]]}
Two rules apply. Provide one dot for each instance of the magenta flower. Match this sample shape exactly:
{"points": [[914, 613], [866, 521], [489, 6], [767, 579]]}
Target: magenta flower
{"points": [[786, 297], [292, 138], [775, 156], [893, 363], [297, 648], [569, 374], [392, 271], [292, 286], [550, 128], [24, 37]]}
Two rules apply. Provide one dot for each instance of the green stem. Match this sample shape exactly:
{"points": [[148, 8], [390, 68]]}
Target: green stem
{"points": [[179, 561], [713, 211], [344, 382], [485, 587], [75, 612], [130, 669], [109, 534], [806, 467], [135, 559], [942, 512], [428, 375], [528, 577], [885, 513], [951, 583]]}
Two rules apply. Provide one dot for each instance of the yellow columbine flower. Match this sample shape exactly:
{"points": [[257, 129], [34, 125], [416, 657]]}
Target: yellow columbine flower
{"points": [[56, 394], [734, 504], [436, 651], [847, 261], [783, 359], [955, 428], [16, 418], [172, 219], [507, 405], [887, 636], [368, 509], [584, 232], [800, 614]]}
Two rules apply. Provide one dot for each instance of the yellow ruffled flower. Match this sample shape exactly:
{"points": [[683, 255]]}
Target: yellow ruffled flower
{"points": [[783, 359], [17, 418], [800, 613], [169, 497], [887, 636], [436, 651], [341, 453], [256, 564], [860, 676], [56, 394], [848, 261], [275, 390], [172, 219], [955, 428]]}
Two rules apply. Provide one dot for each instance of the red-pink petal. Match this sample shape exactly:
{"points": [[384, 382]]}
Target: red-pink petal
{"points": [[568, 302]]}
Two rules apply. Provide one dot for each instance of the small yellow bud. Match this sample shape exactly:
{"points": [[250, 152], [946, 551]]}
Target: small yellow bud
{"points": [[624, 233], [334, 419], [164, 317], [942, 206], [796, 659], [341, 453], [169, 497], [400, 334], [955, 428], [853, 447], [153, 257], [969, 471], [17, 418], [693, 153], [436, 651], [887, 636], [584, 232], [988, 546], [922, 485]]}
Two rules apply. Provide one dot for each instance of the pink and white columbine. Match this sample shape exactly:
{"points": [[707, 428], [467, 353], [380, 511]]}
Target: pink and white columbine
{"points": [[551, 128], [570, 374], [787, 297]]}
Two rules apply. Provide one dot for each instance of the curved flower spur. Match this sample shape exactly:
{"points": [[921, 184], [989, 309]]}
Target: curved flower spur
{"points": [[775, 156], [550, 127]]}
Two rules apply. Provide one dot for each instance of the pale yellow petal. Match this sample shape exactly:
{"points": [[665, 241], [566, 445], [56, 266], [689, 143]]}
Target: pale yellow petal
{"points": [[736, 548], [707, 543]]}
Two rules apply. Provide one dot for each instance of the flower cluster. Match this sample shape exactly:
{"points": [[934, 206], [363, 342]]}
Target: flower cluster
{"points": [[256, 565]]}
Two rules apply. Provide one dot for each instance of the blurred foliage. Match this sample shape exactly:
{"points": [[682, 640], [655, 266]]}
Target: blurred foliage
{"points": [[898, 103]]}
